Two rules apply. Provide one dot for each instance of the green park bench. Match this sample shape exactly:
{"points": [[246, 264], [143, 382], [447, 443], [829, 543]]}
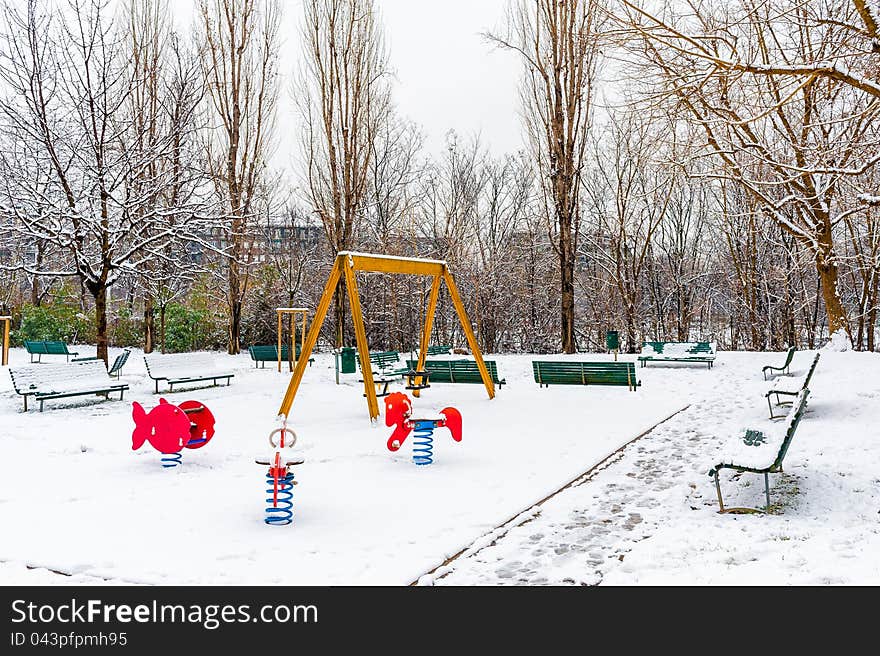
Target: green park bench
{"points": [[59, 381], [677, 352], [457, 371], [184, 369], [439, 350], [385, 368], [784, 368], [555, 372], [387, 363], [117, 365], [263, 353], [39, 348], [789, 386], [762, 453]]}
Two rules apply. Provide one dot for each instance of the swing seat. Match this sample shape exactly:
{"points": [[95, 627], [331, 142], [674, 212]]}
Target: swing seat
{"points": [[412, 375]]}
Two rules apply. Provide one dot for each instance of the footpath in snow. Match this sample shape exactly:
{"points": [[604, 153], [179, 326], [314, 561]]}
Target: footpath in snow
{"points": [[650, 515]]}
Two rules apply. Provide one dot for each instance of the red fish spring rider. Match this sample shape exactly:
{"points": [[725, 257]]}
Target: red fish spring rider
{"points": [[281, 458], [398, 413], [171, 428]]}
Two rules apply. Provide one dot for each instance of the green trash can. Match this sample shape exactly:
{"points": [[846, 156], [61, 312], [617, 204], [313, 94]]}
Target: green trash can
{"points": [[612, 340], [347, 357]]}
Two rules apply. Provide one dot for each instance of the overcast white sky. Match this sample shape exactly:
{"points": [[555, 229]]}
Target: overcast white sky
{"points": [[448, 77]]}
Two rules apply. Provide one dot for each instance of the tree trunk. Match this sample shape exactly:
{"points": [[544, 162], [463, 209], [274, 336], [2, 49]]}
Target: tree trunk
{"points": [[630, 329], [872, 312], [162, 325], [566, 274], [834, 309], [99, 290], [149, 325], [235, 328], [234, 345], [35, 291]]}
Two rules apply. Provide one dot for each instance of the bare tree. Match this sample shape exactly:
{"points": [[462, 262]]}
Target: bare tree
{"points": [[629, 193], [77, 154], [559, 46], [792, 141], [239, 60], [344, 97]]}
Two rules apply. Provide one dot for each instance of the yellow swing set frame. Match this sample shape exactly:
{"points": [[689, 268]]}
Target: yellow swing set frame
{"points": [[347, 264]]}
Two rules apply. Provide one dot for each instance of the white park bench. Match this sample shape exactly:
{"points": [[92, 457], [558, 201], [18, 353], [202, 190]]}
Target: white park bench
{"points": [[184, 368], [58, 381]]}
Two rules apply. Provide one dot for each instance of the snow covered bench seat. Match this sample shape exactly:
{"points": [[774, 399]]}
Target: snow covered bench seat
{"points": [[184, 368], [58, 381], [677, 352], [761, 452], [791, 386]]}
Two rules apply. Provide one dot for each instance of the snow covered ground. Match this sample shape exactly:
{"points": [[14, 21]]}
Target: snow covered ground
{"points": [[76, 499]]}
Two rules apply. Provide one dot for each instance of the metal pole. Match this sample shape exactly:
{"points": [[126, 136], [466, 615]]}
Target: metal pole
{"points": [[278, 312], [6, 321]]}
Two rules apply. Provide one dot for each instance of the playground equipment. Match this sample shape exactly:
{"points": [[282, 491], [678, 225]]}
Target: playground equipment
{"points": [[4, 357], [279, 476], [398, 412], [346, 266], [292, 312], [171, 428]]}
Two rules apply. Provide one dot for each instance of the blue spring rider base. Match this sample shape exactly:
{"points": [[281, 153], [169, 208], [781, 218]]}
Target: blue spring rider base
{"points": [[423, 442], [170, 460], [279, 511]]}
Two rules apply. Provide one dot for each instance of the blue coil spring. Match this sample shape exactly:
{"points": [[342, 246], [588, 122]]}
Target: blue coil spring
{"points": [[282, 514], [171, 459], [423, 443]]}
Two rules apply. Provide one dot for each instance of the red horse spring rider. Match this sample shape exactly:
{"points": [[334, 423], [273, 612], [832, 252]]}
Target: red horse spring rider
{"points": [[398, 412]]}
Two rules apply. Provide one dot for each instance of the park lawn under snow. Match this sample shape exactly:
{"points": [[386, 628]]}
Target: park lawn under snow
{"points": [[75, 498]]}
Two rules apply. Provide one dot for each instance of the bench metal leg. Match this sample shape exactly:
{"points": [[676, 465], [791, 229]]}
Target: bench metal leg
{"points": [[742, 511], [718, 492]]}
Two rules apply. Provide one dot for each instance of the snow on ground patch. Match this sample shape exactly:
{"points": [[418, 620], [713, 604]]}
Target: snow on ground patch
{"points": [[75, 498], [650, 517]]}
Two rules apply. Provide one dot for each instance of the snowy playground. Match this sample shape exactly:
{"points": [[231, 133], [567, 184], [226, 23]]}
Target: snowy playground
{"points": [[519, 500]]}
